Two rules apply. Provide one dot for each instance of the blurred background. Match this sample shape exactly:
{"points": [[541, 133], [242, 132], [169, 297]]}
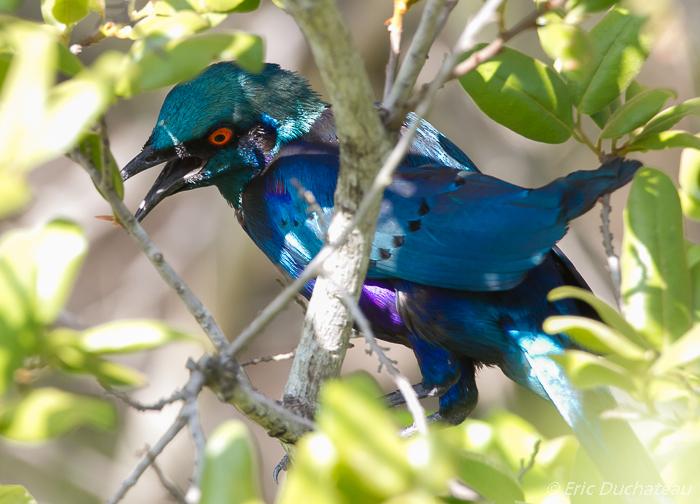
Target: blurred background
{"points": [[199, 235]]}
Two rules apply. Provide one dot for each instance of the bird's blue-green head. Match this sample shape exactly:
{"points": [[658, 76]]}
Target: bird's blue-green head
{"points": [[222, 127]]}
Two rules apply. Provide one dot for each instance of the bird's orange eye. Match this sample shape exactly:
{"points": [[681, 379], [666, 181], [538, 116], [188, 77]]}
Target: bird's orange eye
{"points": [[220, 136]]}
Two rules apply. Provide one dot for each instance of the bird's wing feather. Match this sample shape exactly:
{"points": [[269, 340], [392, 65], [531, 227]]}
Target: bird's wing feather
{"points": [[463, 230]]}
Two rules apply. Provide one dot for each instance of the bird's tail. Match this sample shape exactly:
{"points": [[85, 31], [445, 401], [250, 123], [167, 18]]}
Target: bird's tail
{"points": [[583, 188], [610, 443]]}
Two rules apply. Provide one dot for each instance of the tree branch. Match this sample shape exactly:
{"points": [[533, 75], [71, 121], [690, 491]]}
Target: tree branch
{"points": [[416, 57], [364, 144]]}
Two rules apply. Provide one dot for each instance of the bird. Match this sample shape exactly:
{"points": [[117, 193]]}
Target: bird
{"points": [[461, 262]]}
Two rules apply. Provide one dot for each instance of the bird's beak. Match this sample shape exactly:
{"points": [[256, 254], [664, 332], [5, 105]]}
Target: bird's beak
{"points": [[175, 176]]}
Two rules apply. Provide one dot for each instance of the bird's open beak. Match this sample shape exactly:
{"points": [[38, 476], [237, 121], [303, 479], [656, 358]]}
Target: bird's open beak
{"points": [[175, 176]]}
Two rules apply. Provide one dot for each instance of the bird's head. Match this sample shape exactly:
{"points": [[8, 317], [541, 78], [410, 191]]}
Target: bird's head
{"points": [[221, 128]]}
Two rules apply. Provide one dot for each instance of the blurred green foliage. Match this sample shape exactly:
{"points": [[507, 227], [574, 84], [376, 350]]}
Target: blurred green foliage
{"points": [[50, 102]]}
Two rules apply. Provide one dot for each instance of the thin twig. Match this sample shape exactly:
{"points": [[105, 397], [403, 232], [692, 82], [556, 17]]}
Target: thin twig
{"points": [[416, 57], [178, 395], [175, 493], [395, 30], [613, 259], [269, 358], [200, 441], [298, 299], [154, 255], [148, 459], [530, 463], [466, 41], [404, 385], [312, 206]]}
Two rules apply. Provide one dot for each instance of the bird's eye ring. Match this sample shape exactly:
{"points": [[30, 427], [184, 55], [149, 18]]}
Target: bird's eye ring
{"points": [[221, 136]]}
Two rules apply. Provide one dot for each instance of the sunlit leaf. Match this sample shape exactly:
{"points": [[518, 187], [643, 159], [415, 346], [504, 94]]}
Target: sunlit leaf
{"points": [[522, 94], [606, 312], [634, 89], [64, 351], [636, 111], [689, 175], [229, 5], [130, 336], [231, 467], [48, 412], [42, 264], [487, 477], [38, 121], [669, 117], [587, 6], [621, 50], [15, 494], [311, 479], [364, 436], [655, 275], [569, 47], [586, 370], [182, 60], [162, 29], [684, 350], [594, 335], [15, 192], [673, 139], [68, 11]]}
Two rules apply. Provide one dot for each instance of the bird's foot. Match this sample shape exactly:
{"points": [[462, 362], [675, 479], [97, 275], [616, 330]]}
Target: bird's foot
{"points": [[283, 465], [422, 390]]}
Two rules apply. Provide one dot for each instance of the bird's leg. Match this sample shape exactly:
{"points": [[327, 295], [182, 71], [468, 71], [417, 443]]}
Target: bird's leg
{"points": [[440, 370], [457, 403]]}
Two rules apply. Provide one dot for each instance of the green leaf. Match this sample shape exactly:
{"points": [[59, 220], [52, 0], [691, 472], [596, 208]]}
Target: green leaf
{"points": [[522, 94], [231, 467], [66, 12], [594, 335], [587, 371], [15, 494], [162, 29], [669, 117], [40, 266], [606, 312], [621, 50], [126, 336], [48, 412], [64, 351], [229, 5], [655, 275], [312, 478], [15, 193], [684, 350], [673, 139], [634, 89], [38, 121], [636, 112], [689, 175], [695, 282], [364, 435], [588, 6], [689, 179], [569, 47], [181, 60], [68, 63], [491, 480]]}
